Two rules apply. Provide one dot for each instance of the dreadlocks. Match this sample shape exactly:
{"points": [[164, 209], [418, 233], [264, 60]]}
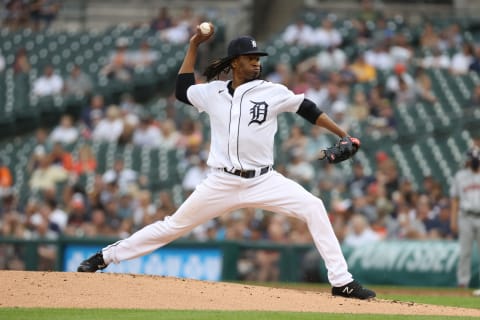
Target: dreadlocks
{"points": [[216, 67]]}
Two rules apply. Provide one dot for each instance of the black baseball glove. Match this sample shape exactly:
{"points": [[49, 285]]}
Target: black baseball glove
{"points": [[342, 150]]}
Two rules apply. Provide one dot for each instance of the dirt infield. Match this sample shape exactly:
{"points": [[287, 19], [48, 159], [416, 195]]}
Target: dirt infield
{"points": [[78, 290]]}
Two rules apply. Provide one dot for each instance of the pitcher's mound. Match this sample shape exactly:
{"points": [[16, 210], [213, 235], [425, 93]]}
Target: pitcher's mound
{"points": [[103, 290]]}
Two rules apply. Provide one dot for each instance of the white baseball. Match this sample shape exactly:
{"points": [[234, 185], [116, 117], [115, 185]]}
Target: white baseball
{"points": [[205, 28]]}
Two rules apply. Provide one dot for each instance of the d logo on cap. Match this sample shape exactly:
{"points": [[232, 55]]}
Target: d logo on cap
{"points": [[244, 45]]}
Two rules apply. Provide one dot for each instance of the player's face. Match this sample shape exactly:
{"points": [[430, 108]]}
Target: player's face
{"points": [[247, 67]]}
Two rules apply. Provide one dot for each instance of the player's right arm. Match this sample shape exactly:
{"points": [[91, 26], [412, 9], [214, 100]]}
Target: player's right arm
{"points": [[186, 77]]}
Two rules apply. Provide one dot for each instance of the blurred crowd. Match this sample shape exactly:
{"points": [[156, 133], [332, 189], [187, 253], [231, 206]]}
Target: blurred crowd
{"points": [[363, 87], [35, 14]]}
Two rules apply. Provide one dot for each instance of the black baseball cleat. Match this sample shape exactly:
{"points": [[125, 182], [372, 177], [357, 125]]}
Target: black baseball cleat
{"points": [[353, 290], [92, 264]]}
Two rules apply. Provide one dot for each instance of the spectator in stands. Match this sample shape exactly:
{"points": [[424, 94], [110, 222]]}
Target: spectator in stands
{"points": [[429, 38], [317, 140], [359, 232], [383, 32], [43, 13], [146, 133], [475, 65], [317, 88], [298, 33], [335, 101], [191, 136], [78, 216], [462, 60], [109, 128], [42, 147], [436, 60], [317, 91], [46, 176], [379, 57], [400, 50], [143, 57], [61, 157], [119, 66], [21, 65], [98, 226], [57, 217], [298, 168], [340, 115], [363, 71], [330, 179], [196, 173], [438, 227], [144, 211], [16, 14], [474, 102], [65, 132], [43, 231], [6, 179], [326, 35], [363, 34], [94, 112], [454, 35], [400, 86], [85, 162], [78, 82], [419, 215], [13, 225], [48, 84], [406, 95], [130, 107], [330, 59], [165, 204], [359, 109], [162, 20], [368, 12], [125, 178], [296, 140], [170, 134], [126, 205], [359, 182], [424, 90], [112, 219], [282, 74], [181, 28]]}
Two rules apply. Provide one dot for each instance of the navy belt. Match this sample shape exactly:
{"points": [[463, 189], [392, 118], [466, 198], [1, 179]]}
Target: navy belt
{"points": [[248, 173]]}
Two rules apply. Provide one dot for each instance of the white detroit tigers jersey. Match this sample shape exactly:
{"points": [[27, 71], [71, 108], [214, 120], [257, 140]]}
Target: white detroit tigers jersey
{"points": [[243, 126]]}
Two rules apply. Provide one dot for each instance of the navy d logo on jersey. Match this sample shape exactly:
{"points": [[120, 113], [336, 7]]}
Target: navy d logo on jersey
{"points": [[258, 112]]}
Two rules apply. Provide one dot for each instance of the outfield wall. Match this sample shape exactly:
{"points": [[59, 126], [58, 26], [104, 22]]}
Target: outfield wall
{"points": [[411, 263]]}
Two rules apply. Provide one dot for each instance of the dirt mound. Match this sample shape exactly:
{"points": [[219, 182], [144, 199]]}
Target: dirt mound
{"points": [[102, 290]]}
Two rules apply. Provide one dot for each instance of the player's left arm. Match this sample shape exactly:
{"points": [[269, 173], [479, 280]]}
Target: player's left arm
{"points": [[310, 112], [345, 148]]}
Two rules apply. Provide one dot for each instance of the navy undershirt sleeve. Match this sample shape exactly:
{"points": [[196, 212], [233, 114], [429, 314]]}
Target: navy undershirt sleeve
{"points": [[309, 111], [183, 82]]}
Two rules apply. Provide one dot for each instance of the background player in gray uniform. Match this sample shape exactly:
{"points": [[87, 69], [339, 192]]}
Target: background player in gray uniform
{"points": [[243, 119], [465, 216]]}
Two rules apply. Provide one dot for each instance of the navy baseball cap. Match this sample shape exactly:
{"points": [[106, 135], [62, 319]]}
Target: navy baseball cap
{"points": [[244, 45]]}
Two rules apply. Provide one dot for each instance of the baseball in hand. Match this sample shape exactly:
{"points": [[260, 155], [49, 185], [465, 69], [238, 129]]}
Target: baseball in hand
{"points": [[205, 28]]}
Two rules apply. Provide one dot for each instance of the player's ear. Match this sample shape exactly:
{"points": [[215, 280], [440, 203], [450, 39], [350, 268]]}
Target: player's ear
{"points": [[234, 63]]}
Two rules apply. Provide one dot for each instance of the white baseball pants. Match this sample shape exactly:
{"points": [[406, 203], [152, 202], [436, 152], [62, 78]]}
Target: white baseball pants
{"points": [[222, 193]]}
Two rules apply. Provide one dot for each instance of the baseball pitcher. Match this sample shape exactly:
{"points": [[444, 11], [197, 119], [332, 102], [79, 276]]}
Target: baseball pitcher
{"points": [[243, 115]]}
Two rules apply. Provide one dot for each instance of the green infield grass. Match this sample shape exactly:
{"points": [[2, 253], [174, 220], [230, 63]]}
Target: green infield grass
{"points": [[129, 314]]}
